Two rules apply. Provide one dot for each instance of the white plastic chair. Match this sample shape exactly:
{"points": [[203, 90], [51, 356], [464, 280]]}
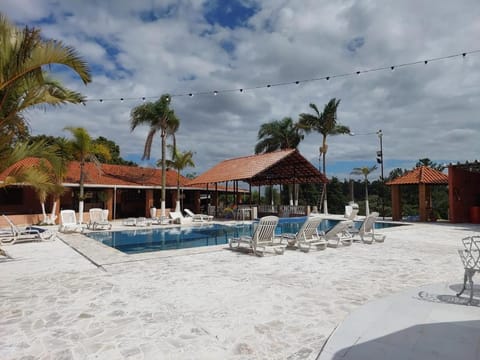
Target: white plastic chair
{"points": [[307, 236], [68, 222], [339, 234], [262, 239]]}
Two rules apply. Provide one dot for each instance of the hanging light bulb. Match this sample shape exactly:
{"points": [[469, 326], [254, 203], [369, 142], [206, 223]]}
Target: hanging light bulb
{"points": [[426, 62], [241, 90], [327, 78], [269, 86], [101, 100], [190, 94], [143, 98], [215, 93], [358, 72], [297, 82], [121, 99], [392, 68]]}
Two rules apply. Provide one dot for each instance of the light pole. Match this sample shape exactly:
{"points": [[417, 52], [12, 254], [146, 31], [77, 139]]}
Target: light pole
{"points": [[380, 161]]}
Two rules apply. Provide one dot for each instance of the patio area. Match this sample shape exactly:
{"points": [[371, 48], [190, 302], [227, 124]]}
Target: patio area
{"points": [[210, 303]]}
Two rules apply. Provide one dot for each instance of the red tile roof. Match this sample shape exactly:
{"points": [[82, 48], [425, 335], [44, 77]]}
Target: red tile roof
{"points": [[109, 175], [421, 175], [280, 167]]}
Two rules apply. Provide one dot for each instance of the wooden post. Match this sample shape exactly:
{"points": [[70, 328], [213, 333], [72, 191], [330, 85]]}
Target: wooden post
{"points": [[422, 201], [396, 203]]}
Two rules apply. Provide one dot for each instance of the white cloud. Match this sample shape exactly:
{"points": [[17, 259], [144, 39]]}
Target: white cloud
{"points": [[423, 110]]}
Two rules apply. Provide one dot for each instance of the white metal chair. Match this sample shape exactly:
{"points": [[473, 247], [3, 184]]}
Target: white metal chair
{"points": [[262, 239], [307, 236], [470, 256]]}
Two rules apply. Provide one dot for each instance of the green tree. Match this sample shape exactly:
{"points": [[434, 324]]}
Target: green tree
{"points": [[114, 151], [25, 82], [279, 135], [83, 149], [430, 164], [25, 67], [179, 161], [160, 118], [365, 171], [325, 123]]}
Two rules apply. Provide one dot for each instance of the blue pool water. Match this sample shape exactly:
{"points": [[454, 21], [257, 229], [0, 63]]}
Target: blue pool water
{"points": [[155, 239]]}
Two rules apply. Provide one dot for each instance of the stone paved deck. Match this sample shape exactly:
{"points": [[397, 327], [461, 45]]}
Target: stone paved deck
{"points": [[215, 304]]}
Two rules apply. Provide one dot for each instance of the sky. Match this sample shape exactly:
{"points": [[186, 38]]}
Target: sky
{"points": [[146, 48]]}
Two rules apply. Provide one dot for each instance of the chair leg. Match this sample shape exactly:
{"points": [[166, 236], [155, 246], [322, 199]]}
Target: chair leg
{"points": [[464, 283]]}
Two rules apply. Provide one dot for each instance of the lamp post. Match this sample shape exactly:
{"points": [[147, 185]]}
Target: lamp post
{"points": [[380, 161]]}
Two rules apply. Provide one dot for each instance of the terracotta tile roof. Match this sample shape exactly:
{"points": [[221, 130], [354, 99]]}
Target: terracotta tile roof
{"points": [[280, 167], [421, 175], [28, 162], [109, 175]]}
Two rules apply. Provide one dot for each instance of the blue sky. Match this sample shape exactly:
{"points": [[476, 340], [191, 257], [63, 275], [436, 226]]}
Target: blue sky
{"points": [[148, 48]]}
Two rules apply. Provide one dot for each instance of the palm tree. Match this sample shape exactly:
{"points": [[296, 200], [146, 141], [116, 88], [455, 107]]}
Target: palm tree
{"points": [[159, 117], [279, 135], [25, 62], [83, 149], [365, 171], [276, 135], [179, 161], [326, 124]]}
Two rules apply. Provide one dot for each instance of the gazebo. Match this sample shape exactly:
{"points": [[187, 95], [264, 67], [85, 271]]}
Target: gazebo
{"points": [[424, 177], [275, 168]]}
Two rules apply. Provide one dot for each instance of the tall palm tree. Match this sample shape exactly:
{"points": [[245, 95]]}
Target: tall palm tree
{"points": [[180, 160], [25, 65], [365, 171], [83, 149], [279, 135], [160, 118], [325, 123]]}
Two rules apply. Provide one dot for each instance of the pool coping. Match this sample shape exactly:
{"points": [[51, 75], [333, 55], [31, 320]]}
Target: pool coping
{"points": [[101, 255]]}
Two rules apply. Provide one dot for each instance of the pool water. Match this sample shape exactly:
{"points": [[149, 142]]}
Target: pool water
{"points": [[156, 239]]}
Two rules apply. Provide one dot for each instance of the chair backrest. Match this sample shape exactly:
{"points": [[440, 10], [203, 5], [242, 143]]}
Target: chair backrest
{"points": [[96, 215], [176, 215], [10, 223], [353, 214], [105, 214], [68, 217], [265, 230], [309, 229], [369, 223], [471, 256], [339, 228], [189, 212]]}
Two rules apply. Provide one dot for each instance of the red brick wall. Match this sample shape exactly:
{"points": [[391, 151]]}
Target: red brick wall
{"points": [[463, 192]]}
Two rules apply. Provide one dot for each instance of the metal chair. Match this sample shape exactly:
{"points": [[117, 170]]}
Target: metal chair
{"points": [[470, 257]]}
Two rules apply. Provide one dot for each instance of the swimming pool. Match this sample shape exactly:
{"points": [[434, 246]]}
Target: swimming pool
{"points": [[157, 239]]}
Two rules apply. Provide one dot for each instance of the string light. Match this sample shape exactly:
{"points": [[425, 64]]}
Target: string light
{"points": [[297, 82]]}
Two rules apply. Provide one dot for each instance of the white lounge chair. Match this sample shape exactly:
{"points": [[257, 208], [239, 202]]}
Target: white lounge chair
{"points": [[339, 234], [178, 218], [262, 239], [307, 236], [22, 234], [198, 217], [68, 222], [98, 219], [367, 230]]}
